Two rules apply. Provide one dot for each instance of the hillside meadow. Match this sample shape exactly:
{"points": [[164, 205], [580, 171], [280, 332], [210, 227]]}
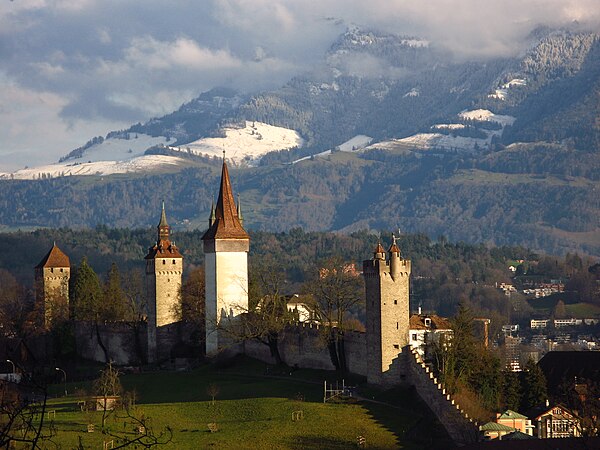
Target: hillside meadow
{"points": [[252, 409]]}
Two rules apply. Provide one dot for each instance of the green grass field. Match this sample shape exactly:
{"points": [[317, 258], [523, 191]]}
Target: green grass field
{"points": [[253, 410]]}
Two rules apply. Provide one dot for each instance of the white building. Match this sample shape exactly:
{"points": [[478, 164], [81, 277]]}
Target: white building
{"points": [[226, 246], [426, 330]]}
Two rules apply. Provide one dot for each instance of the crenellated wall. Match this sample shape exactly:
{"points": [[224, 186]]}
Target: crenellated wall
{"points": [[461, 428], [304, 345]]}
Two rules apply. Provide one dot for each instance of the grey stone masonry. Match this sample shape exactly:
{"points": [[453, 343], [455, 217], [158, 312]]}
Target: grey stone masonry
{"points": [[387, 308]]}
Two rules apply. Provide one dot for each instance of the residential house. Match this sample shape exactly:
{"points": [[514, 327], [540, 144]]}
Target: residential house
{"points": [[555, 422], [515, 420], [426, 330]]}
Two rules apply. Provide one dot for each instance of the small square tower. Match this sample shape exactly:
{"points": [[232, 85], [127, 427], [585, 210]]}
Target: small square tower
{"points": [[52, 276], [164, 269], [387, 310]]}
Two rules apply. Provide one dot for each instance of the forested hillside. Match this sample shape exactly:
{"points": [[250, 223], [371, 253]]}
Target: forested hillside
{"points": [[533, 195], [524, 170], [444, 274]]}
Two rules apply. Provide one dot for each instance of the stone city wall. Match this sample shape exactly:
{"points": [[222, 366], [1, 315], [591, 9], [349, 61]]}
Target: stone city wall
{"points": [[461, 428], [304, 345], [122, 345]]}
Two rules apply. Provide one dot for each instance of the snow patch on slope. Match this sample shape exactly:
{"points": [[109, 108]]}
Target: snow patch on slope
{"points": [[248, 144], [355, 144], [119, 149], [487, 116], [146, 163]]}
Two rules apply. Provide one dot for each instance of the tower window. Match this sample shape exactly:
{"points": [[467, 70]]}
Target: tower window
{"points": [[173, 261], [395, 302], [396, 325], [61, 270], [396, 346], [52, 269], [164, 261]]}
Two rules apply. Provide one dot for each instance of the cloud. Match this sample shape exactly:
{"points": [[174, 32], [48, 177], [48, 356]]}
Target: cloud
{"points": [[98, 63]]}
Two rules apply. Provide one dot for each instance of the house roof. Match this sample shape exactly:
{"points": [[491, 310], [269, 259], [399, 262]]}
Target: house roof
{"points": [[541, 411], [54, 258], [516, 436], [563, 414], [226, 223], [417, 322], [494, 426], [510, 414], [559, 366]]}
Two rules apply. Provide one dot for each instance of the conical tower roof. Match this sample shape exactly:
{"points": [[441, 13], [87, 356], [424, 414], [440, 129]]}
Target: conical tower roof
{"points": [[54, 258], [226, 224], [394, 247], [164, 248], [163, 217], [379, 252]]}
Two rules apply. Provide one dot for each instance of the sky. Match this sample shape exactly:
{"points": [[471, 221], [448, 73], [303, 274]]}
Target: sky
{"points": [[74, 69]]}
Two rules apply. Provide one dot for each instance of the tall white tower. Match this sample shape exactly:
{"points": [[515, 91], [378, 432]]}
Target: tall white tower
{"points": [[164, 269], [226, 246]]}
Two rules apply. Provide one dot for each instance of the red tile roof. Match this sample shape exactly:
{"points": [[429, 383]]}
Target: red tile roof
{"points": [[54, 258], [226, 224], [417, 322]]}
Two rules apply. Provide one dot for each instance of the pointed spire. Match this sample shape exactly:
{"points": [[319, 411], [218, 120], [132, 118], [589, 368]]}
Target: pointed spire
{"points": [[226, 224], [163, 217], [163, 226]]}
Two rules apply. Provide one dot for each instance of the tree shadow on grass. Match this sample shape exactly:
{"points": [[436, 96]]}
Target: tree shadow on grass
{"points": [[409, 418]]}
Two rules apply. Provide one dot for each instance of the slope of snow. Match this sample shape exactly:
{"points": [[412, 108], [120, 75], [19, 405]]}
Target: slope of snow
{"points": [[487, 116], [354, 144], [248, 144], [502, 92], [429, 141], [448, 126], [118, 149], [146, 163]]}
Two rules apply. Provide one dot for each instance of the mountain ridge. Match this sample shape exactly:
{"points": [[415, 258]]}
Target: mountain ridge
{"points": [[503, 150]]}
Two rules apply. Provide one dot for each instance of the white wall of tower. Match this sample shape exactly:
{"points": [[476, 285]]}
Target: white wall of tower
{"points": [[226, 291]]}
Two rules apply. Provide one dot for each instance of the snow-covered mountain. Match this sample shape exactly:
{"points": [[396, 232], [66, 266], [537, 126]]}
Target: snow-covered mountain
{"points": [[132, 153]]}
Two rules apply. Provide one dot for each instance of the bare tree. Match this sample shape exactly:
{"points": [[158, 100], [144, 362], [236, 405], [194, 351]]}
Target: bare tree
{"points": [[335, 288], [23, 414], [106, 388]]}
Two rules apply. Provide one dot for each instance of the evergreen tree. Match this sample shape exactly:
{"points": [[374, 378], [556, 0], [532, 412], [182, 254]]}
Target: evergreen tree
{"points": [[535, 388], [511, 390], [86, 294], [114, 305], [464, 346]]}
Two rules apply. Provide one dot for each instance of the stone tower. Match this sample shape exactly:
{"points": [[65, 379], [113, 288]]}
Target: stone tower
{"points": [[164, 268], [52, 287], [387, 310], [226, 246]]}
